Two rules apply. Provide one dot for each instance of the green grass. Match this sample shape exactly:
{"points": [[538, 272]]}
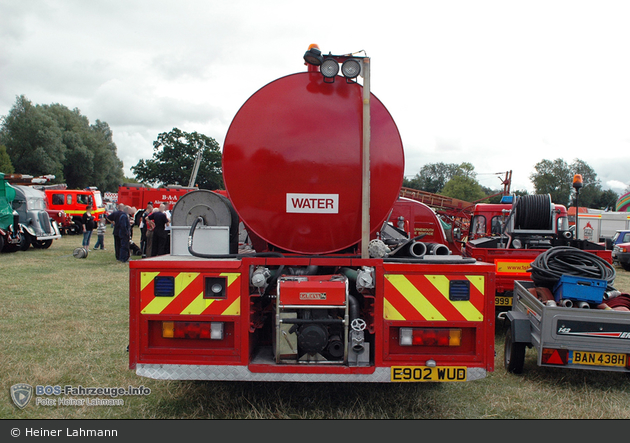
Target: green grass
{"points": [[64, 321]]}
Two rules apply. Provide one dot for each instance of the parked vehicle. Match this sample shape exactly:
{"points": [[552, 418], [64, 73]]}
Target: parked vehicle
{"points": [[11, 235], [39, 229], [73, 202], [513, 233], [621, 249], [567, 336], [331, 291]]}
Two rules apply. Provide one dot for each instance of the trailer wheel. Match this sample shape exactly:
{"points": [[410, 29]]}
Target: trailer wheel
{"points": [[514, 354]]}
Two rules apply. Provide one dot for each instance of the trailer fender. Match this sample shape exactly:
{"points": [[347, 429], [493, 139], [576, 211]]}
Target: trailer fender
{"points": [[520, 326]]}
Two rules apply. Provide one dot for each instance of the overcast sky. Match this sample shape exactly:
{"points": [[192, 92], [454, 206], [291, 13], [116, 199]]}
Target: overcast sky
{"points": [[500, 84]]}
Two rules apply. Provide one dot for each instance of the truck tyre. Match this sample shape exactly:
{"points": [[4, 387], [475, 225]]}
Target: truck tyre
{"points": [[25, 242], [626, 266], [1, 243], [513, 354], [41, 244], [75, 229]]}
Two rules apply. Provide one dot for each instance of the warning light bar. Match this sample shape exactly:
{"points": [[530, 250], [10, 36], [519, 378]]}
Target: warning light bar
{"points": [[190, 329], [430, 337]]}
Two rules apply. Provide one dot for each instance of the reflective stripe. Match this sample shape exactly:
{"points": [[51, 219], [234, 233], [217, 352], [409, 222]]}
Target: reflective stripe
{"points": [[426, 297], [188, 295]]}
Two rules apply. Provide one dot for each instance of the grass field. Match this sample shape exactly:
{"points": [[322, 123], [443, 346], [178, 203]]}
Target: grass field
{"points": [[64, 321]]}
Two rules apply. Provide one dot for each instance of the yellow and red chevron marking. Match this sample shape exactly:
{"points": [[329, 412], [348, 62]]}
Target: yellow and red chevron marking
{"points": [[425, 297], [188, 298]]}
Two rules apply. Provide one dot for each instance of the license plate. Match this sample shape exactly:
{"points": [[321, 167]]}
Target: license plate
{"points": [[503, 301], [597, 359], [430, 374]]}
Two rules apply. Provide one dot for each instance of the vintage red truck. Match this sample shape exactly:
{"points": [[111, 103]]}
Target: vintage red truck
{"points": [[331, 290]]}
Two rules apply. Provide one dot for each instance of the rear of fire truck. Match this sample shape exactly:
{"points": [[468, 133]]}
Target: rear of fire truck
{"points": [[329, 291]]}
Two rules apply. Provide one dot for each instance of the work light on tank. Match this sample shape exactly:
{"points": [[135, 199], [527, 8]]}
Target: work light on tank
{"points": [[351, 68], [313, 56], [329, 68]]}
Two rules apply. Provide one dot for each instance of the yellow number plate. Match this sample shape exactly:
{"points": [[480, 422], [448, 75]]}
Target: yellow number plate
{"points": [[597, 359], [503, 301], [425, 373]]}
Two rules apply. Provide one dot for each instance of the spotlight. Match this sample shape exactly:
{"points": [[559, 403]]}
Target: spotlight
{"points": [[329, 68], [351, 68]]}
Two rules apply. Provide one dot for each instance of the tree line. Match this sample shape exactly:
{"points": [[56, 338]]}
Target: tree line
{"points": [[553, 177]]}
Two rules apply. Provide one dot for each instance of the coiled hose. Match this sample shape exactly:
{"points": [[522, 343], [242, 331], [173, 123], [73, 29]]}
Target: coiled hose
{"points": [[533, 212], [555, 262]]}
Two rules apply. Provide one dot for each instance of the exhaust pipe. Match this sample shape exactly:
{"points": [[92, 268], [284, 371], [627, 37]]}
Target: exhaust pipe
{"points": [[583, 305], [567, 303]]}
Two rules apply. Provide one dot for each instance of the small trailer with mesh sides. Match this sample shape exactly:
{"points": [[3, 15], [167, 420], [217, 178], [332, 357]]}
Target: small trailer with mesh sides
{"points": [[577, 322]]}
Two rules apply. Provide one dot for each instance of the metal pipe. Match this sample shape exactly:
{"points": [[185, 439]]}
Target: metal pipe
{"points": [[567, 303], [417, 249], [365, 198]]}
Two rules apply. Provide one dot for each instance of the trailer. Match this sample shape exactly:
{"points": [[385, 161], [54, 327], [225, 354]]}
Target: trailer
{"points": [[331, 290], [565, 337]]}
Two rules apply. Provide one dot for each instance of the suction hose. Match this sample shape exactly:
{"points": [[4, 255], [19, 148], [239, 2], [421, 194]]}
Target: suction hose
{"points": [[555, 262]]}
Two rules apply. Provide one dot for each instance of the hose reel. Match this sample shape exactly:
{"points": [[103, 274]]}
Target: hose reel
{"points": [[217, 214], [532, 214]]}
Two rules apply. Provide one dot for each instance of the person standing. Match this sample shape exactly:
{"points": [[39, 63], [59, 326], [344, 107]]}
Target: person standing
{"points": [[150, 227], [160, 236], [143, 228], [87, 220], [100, 233], [124, 234], [113, 218]]}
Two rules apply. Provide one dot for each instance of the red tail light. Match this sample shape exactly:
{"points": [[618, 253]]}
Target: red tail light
{"points": [[430, 337], [185, 329]]}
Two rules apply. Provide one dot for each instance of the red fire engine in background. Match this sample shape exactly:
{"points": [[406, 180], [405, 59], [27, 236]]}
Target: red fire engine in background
{"points": [[138, 196], [331, 290]]}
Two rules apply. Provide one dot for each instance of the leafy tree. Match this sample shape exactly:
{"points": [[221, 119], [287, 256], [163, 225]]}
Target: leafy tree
{"points": [[606, 200], [556, 178], [464, 188], [52, 139], [591, 186], [434, 176], [174, 155], [33, 140], [6, 167], [553, 178]]}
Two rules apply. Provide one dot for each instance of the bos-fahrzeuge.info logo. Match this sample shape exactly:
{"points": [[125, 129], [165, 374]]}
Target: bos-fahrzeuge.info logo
{"points": [[22, 393]]}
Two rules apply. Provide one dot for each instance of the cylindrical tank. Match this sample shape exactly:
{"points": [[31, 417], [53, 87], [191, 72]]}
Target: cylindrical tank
{"points": [[292, 163]]}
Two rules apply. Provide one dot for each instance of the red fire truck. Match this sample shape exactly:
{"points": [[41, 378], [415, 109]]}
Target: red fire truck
{"points": [[331, 291], [511, 234], [139, 196]]}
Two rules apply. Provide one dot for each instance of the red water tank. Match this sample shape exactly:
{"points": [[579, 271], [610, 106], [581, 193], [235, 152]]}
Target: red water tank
{"points": [[292, 163]]}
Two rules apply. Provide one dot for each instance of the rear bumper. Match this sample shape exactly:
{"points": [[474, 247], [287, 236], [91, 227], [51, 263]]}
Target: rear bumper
{"points": [[242, 373]]}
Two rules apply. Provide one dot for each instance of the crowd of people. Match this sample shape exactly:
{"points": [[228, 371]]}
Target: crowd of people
{"points": [[153, 222]]}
